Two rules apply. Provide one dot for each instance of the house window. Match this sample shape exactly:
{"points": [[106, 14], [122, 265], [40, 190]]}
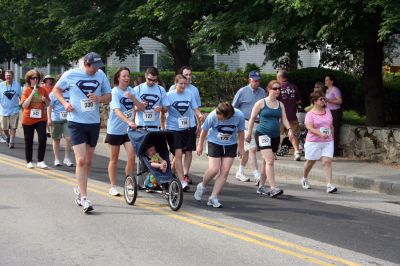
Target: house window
{"points": [[146, 60]]}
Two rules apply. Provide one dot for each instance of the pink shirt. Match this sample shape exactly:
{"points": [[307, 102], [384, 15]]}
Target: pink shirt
{"points": [[332, 94], [321, 122]]}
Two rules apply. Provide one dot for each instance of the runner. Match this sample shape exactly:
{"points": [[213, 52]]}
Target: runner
{"points": [[290, 97], [244, 100], [319, 142], [121, 117], [34, 100], [186, 71], [10, 93], [57, 122], [224, 129], [270, 111], [182, 108], [48, 82], [154, 98], [88, 87]]}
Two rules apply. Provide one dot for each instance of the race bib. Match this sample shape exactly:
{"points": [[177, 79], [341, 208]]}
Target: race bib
{"points": [[63, 115], [149, 116], [36, 113], [129, 114], [325, 130], [264, 141], [183, 122], [224, 136], [87, 105]]}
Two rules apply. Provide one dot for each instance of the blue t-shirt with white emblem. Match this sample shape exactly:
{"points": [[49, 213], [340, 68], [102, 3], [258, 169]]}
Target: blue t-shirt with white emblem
{"points": [[154, 96], [193, 89], [223, 132], [9, 98], [181, 108], [115, 125], [58, 112], [80, 84]]}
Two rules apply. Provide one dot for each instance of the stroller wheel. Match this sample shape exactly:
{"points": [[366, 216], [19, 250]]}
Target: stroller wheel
{"points": [[130, 190], [175, 194]]}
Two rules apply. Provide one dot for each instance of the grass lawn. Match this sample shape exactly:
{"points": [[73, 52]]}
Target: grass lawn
{"points": [[352, 118]]}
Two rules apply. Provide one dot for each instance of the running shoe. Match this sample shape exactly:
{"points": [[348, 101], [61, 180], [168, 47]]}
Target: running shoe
{"points": [[213, 201], [187, 179], [68, 162], [330, 188], [199, 191], [77, 196], [57, 163], [257, 180], [2, 139], [185, 186], [42, 165], [240, 176], [113, 192], [275, 192], [305, 184], [11, 146], [262, 191], [30, 165], [297, 156], [87, 205]]}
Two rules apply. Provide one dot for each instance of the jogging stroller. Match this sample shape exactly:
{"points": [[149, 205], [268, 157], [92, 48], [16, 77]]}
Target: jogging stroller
{"points": [[167, 184]]}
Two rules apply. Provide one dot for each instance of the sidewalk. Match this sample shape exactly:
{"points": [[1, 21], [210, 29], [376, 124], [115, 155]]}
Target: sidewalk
{"points": [[346, 172]]}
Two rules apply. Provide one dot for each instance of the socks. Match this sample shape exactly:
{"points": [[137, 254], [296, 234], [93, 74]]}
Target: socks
{"points": [[241, 169], [11, 139], [256, 174]]}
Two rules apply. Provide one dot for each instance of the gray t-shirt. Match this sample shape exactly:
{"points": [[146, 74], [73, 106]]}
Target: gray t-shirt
{"points": [[246, 98]]}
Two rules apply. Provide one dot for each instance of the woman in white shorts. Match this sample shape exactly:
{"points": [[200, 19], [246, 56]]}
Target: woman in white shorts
{"points": [[319, 140]]}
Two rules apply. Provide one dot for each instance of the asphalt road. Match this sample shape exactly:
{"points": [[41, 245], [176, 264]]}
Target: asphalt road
{"points": [[41, 225]]}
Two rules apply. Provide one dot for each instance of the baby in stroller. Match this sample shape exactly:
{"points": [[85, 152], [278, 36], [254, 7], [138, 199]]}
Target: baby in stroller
{"points": [[155, 160]]}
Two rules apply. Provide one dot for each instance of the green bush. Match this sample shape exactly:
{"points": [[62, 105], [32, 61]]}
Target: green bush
{"points": [[392, 100]]}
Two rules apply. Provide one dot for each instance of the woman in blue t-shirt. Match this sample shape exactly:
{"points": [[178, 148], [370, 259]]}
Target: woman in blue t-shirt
{"points": [[121, 117], [182, 107], [224, 129], [270, 112]]}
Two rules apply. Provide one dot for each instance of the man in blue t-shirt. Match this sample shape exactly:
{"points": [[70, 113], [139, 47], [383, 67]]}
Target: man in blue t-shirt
{"points": [[88, 87], [10, 93], [186, 71], [244, 100], [154, 97]]}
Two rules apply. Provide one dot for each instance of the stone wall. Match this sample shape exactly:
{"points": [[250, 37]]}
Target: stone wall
{"points": [[377, 144]]}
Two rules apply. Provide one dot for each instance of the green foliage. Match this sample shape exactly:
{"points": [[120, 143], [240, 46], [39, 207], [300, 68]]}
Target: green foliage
{"points": [[250, 67], [392, 100], [351, 117]]}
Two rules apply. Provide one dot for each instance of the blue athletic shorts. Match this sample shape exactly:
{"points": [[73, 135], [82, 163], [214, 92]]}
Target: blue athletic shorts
{"points": [[84, 133]]}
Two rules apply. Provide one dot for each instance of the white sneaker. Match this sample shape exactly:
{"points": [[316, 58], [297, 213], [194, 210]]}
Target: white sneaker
{"points": [[68, 162], [330, 188], [2, 139], [30, 165], [297, 156], [57, 163], [185, 186], [199, 191], [113, 191], [305, 184], [87, 205], [213, 201], [240, 176], [42, 165]]}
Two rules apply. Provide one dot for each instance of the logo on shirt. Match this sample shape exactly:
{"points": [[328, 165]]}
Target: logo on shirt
{"points": [[225, 129], [181, 106], [128, 103], [9, 94], [151, 100], [88, 86]]}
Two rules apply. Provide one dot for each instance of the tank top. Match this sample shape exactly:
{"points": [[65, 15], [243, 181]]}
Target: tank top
{"points": [[269, 121]]}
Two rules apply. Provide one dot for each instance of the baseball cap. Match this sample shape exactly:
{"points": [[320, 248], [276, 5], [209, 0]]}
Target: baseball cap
{"points": [[255, 75], [94, 59]]}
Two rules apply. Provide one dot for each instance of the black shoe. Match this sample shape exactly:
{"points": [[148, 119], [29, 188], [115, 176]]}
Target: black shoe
{"points": [[11, 145]]}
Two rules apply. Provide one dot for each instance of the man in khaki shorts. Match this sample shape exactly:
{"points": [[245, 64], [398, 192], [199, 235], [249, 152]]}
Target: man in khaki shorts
{"points": [[244, 100], [10, 93], [290, 97]]}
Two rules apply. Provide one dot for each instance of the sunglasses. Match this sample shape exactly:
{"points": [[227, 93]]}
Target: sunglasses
{"points": [[34, 78], [275, 88], [152, 80], [322, 99]]}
